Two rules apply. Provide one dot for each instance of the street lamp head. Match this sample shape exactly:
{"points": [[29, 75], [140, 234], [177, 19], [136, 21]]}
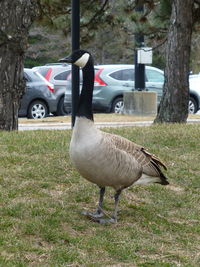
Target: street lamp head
{"points": [[78, 57]]}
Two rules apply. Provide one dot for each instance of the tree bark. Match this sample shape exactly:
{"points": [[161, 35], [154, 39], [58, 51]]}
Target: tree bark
{"points": [[16, 17], [174, 103]]}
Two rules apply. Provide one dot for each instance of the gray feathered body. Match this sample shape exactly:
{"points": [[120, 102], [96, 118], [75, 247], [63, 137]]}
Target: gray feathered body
{"points": [[110, 160]]}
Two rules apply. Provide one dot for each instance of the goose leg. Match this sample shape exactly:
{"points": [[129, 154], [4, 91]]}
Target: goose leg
{"points": [[98, 213], [113, 219]]}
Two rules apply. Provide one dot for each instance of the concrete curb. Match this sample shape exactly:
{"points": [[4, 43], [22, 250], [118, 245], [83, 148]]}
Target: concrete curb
{"points": [[65, 126]]}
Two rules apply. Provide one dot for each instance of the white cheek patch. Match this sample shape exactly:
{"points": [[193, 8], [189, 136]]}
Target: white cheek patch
{"points": [[82, 61]]}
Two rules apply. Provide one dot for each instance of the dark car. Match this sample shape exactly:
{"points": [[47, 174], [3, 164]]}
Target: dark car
{"points": [[38, 100], [56, 74]]}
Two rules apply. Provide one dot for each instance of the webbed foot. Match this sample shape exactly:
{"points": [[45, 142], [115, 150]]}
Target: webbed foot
{"points": [[97, 217], [110, 220], [93, 215]]}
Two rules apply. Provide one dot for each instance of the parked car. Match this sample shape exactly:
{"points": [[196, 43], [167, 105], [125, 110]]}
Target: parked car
{"points": [[38, 100], [56, 74], [111, 81], [194, 102]]}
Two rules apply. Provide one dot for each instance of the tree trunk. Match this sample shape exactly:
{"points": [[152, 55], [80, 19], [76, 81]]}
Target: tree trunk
{"points": [[174, 103], [16, 17]]}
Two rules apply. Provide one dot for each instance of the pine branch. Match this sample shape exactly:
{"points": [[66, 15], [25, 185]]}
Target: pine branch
{"points": [[96, 15]]}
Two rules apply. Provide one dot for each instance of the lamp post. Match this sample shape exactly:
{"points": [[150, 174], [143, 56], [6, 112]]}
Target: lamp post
{"points": [[143, 102], [139, 68], [75, 31]]}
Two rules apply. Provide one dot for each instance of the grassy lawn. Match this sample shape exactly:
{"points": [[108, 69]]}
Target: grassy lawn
{"points": [[42, 196]]}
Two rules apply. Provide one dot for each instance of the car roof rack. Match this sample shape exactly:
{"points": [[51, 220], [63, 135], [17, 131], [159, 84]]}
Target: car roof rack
{"points": [[54, 64]]}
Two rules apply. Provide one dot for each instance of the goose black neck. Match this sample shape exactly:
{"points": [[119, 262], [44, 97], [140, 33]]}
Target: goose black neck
{"points": [[85, 99]]}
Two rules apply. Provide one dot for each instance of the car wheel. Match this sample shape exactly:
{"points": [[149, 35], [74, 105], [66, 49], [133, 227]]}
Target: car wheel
{"points": [[192, 108], [37, 110], [60, 109], [118, 105]]}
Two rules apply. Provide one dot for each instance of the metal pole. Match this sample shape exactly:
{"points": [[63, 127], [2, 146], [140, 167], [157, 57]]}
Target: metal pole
{"points": [[75, 29], [139, 68]]}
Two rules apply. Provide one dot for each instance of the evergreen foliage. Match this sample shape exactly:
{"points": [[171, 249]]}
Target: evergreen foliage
{"points": [[106, 27]]}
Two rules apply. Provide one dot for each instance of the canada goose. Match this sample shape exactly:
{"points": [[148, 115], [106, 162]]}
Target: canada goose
{"points": [[102, 158]]}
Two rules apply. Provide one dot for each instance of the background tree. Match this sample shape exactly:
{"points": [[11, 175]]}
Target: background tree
{"points": [[174, 103], [16, 17]]}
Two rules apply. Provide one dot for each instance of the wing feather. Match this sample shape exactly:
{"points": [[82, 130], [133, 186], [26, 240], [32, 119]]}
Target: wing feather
{"points": [[149, 162]]}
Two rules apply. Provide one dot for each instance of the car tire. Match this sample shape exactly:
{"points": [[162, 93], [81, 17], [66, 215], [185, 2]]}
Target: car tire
{"points": [[192, 107], [37, 110], [118, 105], [60, 110]]}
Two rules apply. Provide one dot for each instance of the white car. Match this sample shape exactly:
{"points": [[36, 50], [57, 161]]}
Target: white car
{"points": [[194, 103]]}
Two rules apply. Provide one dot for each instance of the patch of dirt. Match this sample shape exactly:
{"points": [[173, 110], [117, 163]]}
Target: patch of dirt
{"points": [[176, 188]]}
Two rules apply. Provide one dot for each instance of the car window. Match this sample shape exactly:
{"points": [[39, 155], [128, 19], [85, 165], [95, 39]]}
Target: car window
{"points": [[43, 70], [69, 77], [33, 76], [63, 75], [154, 76], [123, 75]]}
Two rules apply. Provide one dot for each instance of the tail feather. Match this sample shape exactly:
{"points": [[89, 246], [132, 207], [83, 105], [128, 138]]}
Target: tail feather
{"points": [[146, 179], [158, 162], [163, 178], [155, 159], [155, 164]]}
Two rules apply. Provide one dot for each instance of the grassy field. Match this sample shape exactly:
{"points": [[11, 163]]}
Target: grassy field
{"points": [[42, 196]]}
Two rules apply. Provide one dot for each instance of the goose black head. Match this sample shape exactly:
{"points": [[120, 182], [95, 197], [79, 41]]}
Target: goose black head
{"points": [[79, 58]]}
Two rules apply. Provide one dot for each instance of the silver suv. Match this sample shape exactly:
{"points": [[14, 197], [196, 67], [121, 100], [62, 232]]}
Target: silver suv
{"points": [[56, 74], [111, 81]]}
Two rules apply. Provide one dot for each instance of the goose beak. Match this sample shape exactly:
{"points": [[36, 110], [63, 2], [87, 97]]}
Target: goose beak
{"points": [[67, 59]]}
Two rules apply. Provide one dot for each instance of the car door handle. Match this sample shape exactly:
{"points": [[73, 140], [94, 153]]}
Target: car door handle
{"points": [[126, 84], [153, 86]]}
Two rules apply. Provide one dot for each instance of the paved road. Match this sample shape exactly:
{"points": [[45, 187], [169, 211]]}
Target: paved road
{"points": [[64, 126]]}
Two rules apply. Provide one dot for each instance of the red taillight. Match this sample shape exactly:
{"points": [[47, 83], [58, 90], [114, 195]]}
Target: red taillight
{"points": [[50, 88], [48, 74], [97, 80], [47, 77]]}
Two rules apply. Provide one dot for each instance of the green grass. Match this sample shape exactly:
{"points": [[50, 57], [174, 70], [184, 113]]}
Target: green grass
{"points": [[42, 196]]}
